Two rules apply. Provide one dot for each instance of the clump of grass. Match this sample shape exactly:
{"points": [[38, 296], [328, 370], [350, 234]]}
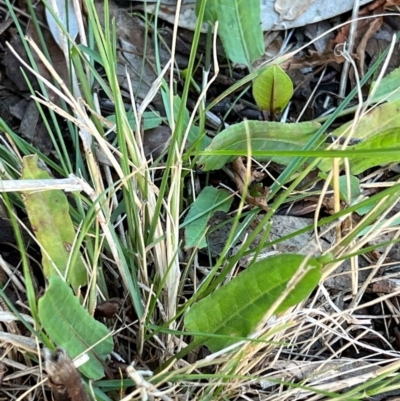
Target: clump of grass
{"points": [[128, 213]]}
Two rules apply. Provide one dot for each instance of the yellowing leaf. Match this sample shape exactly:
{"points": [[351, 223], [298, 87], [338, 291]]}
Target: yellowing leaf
{"points": [[376, 120], [48, 213], [272, 89]]}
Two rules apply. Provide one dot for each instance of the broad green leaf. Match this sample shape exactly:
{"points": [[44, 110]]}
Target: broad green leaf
{"points": [[355, 189], [378, 119], [389, 139], [239, 28], [151, 119], [272, 89], [388, 89], [204, 207], [262, 135], [48, 213], [235, 309], [70, 326], [210, 13]]}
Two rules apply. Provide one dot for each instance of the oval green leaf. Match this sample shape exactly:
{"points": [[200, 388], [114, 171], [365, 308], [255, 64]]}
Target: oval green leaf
{"points": [[383, 117], [388, 89], [239, 28], [388, 139], [235, 309], [272, 89], [351, 182], [70, 326], [263, 135], [201, 211]]}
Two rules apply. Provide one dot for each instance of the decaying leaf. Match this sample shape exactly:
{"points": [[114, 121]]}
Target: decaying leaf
{"points": [[48, 213], [13, 66], [314, 59], [321, 31], [135, 56], [64, 378], [109, 308], [156, 140], [258, 197], [366, 28]]}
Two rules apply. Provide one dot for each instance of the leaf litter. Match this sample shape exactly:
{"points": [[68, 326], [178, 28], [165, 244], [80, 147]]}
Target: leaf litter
{"points": [[344, 294]]}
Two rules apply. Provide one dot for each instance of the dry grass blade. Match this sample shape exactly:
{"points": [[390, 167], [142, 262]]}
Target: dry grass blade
{"points": [[129, 225]]}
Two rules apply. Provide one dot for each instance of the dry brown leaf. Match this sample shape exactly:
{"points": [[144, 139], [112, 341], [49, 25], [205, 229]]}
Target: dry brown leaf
{"points": [[321, 30], [134, 57], [386, 285], [240, 175], [381, 40], [109, 308], [291, 9], [64, 378], [135, 50], [318, 370], [376, 7], [314, 59], [156, 140], [5, 25], [375, 24], [13, 66], [366, 28]]}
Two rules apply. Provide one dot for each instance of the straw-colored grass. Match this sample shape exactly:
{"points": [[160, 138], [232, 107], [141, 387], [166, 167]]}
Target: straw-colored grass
{"points": [[319, 349]]}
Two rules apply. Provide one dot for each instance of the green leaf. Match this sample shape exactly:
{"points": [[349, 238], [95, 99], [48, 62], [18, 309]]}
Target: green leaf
{"points": [[261, 135], [235, 309], [70, 326], [48, 213], [201, 211], [210, 13], [272, 89], [151, 119], [355, 189], [387, 139], [388, 89], [239, 28], [373, 122]]}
